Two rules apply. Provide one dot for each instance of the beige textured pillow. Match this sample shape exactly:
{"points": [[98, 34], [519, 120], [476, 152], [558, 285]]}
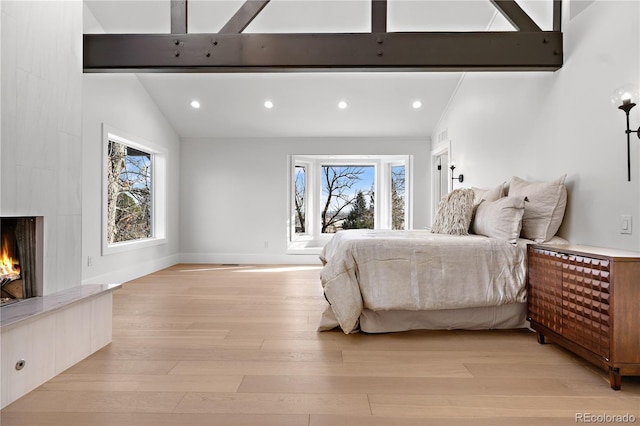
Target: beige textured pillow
{"points": [[544, 206], [500, 219], [480, 195], [488, 194], [454, 213]]}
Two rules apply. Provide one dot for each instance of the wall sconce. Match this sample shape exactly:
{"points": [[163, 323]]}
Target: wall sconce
{"points": [[624, 96], [460, 177]]}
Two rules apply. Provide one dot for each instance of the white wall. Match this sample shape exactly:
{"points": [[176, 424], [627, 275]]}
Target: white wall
{"points": [[539, 126], [42, 129], [121, 102], [234, 194]]}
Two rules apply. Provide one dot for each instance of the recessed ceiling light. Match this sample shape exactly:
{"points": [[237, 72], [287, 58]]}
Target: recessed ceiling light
{"points": [[268, 104], [342, 104], [417, 104], [195, 104]]}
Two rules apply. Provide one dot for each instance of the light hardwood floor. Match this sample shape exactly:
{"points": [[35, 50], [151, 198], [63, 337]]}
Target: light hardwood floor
{"points": [[224, 345]]}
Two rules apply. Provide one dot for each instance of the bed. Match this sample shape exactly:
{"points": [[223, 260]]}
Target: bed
{"points": [[385, 281]]}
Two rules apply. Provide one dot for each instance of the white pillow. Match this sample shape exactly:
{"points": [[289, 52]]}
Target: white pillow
{"points": [[544, 206], [454, 213], [501, 218]]}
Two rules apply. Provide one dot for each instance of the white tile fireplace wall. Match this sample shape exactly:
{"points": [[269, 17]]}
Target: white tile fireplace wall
{"points": [[42, 128], [41, 175]]}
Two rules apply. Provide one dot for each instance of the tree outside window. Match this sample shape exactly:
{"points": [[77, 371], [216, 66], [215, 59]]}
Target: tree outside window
{"points": [[344, 193], [398, 196], [361, 215], [129, 189], [300, 177]]}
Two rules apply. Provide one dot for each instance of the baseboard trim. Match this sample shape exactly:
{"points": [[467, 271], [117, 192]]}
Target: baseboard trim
{"points": [[132, 272], [250, 258]]}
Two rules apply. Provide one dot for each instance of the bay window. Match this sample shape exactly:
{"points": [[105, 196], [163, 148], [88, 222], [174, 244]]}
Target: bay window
{"points": [[331, 193]]}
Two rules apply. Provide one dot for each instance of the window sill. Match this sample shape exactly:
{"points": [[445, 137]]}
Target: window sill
{"points": [[307, 245], [132, 245], [308, 250]]}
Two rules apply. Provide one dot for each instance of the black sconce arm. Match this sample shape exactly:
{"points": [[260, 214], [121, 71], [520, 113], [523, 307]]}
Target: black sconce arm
{"points": [[626, 106], [459, 178]]}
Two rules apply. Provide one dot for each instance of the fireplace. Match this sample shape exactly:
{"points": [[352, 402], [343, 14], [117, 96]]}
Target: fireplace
{"points": [[20, 258]]}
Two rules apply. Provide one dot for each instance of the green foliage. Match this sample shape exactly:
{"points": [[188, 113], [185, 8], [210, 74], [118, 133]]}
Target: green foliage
{"points": [[360, 215]]}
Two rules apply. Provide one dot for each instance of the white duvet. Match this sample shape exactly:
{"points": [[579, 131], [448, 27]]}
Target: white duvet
{"points": [[417, 270]]}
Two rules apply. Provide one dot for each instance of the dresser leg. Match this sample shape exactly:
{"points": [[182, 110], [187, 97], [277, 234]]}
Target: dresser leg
{"points": [[540, 337], [615, 380]]}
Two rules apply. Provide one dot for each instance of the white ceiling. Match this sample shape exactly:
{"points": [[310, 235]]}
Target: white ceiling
{"points": [[305, 104]]}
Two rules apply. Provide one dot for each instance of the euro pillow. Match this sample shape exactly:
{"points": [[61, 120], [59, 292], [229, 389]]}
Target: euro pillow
{"points": [[544, 207], [454, 213], [481, 195], [501, 218]]}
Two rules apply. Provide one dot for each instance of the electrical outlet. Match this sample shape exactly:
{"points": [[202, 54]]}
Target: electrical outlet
{"points": [[625, 224], [89, 261]]}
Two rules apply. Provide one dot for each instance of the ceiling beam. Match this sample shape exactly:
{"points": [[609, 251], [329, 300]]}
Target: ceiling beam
{"points": [[243, 17], [433, 51], [557, 15], [179, 16], [378, 16], [515, 15]]}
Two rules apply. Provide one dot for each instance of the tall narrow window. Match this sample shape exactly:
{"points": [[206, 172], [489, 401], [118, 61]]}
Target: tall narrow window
{"points": [[300, 196], [347, 197], [398, 197], [129, 204]]}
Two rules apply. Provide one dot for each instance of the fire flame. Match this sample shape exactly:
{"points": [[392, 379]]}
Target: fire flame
{"points": [[9, 266]]}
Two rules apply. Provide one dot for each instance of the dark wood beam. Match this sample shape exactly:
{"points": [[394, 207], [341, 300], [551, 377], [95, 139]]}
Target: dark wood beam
{"points": [[472, 51], [515, 15], [243, 17], [378, 16], [557, 15], [178, 16]]}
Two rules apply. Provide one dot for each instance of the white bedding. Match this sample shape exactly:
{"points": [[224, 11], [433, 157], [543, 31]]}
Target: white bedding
{"points": [[416, 270]]}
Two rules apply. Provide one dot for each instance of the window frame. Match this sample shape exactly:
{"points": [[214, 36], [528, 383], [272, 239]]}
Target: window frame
{"points": [[407, 199], [158, 191], [313, 239], [292, 194]]}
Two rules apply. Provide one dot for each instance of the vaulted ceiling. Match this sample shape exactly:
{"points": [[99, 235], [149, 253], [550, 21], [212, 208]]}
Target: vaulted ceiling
{"points": [[304, 104]]}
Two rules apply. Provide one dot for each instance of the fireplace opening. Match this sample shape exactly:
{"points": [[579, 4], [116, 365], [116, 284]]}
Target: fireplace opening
{"points": [[19, 259]]}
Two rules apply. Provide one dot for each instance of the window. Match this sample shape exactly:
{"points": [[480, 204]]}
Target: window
{"points": [[331, 193], [128, 193], [300, 182], [347, 197], [398, 197], [133, 194]]}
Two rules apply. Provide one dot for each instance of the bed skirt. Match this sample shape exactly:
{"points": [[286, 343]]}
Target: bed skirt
{"points": [[509, 316]]}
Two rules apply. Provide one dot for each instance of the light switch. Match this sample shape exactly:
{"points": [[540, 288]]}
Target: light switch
{"points": [[625, 224]]}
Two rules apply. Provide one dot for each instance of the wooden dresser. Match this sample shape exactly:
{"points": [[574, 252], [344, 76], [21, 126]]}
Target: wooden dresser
{"points": [[587, 299]]}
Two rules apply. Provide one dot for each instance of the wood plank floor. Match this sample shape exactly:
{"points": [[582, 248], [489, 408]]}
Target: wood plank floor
{"points": [[225, 345]]}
